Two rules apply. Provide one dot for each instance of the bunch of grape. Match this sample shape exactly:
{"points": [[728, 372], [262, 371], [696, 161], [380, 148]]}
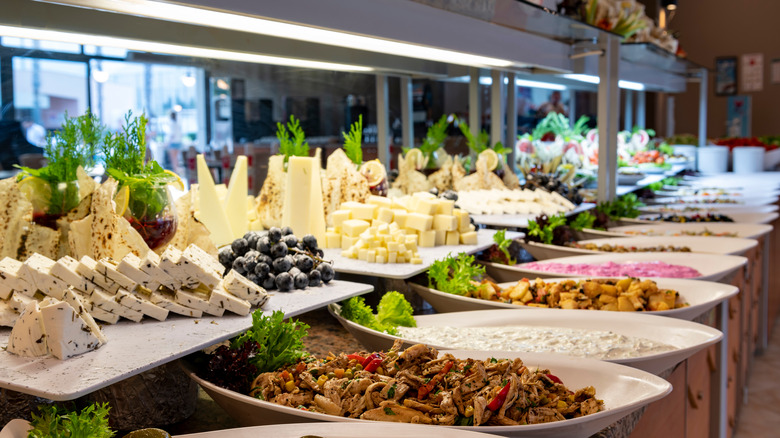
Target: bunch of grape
{"points": [[278, 260]]}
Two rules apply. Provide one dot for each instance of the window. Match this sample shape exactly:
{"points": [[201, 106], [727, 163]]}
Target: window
{"points": [[44, 90], [48, 46]]}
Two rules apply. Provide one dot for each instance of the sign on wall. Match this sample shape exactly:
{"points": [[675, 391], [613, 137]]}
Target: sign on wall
{"points": [[752, 72], [726, 76]]}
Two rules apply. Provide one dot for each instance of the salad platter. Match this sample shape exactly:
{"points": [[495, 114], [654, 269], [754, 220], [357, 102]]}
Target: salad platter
{"points": [[162, 341], [623, 390], [716, 229], [711, 267], [742, 218], [686, 337], [724, 209], [520, 220], [407, 270], [341, 430], [700, 296], [723, 201]]}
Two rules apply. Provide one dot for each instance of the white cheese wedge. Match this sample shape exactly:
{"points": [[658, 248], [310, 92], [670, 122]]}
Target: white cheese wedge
{"points": [[100, 314], [67, 335], [107, 302], [210, 210], [168, 302], [198, 301], [238, 285], [303, 209], [135, 302], [80, 307], [66, 270], [169, 262], [150, 265], [19, 301], [107, 267], [10, 279], [229, 302], [28, 337], [235, 201], [206, 268], [130, 266], [8, 315], [39, 267], [87, 268]]}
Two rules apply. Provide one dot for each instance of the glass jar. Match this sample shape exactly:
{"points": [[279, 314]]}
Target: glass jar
{"points": [[50, 200], [150, 210]]}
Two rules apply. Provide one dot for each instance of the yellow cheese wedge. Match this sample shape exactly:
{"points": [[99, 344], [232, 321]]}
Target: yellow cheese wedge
{"points": [[303, 208], [212, 215], [235, 202]]}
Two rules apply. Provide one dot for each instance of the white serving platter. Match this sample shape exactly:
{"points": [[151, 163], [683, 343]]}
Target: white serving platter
{"points": [[687, 337], [520, 220], [712, 267], [740, 218], [739, 201], [735, 193], [406, 270], [701, 296], [726, 209], [742, 230], [133, 348], [374, 429], [623, 389]]}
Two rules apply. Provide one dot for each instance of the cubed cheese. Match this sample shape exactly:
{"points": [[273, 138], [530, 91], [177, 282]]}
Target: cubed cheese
{"points": [[469, 238], [427, 239], [354, 227], [347, 241], [445, 206], [441, 238], [416, 260], [332, 240], [380, 201], [426, 206], [87, 268], [385, 214], [445, 222], [339, 216], [453, 238], [371, 256], [359, 210], [363, 254], [411, 243], [399, 217], [419, 222], [392, 256], [463, 219]]}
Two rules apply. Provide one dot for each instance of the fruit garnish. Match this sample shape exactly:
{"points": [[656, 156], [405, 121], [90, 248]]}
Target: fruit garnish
{"points": [[491, 158], [374, 171], [417, 157], [122, 199], [177, 182], [36, 190]]}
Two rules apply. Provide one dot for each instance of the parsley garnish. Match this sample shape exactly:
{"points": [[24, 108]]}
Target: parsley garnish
{"points": [[455, 274], [583, 220], [482, 141], [278, 341], [353, 142], [503, 245], [389, 411], [391, 391], [91, 422], [295, 146], [545, 233]]}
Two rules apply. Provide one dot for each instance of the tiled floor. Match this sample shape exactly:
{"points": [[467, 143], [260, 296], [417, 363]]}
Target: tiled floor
{"points": [[760, 417]]}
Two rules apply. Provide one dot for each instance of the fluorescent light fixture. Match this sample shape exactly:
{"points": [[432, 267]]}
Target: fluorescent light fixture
{"points": [[188, 80], [487, 80], [173, 49], [628, 85], [262, 26], [177, 108], [100, 76]]}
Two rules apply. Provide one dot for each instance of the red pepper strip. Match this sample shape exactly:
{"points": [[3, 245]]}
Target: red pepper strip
{"points": [[356, 357], [369, 359], [554, 378], [428, 387], [373, 365], [497, 402]]}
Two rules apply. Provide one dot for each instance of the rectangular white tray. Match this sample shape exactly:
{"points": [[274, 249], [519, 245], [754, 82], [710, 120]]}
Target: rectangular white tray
{"points": [[133, 348], [520, 220], [407, 270]]}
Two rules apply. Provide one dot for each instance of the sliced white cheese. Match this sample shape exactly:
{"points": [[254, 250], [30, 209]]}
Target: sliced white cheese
{"points": [[140, 304], [107, 267], [67, 335], [200, 265], [235, 201], [150, 265], [168, 301], [229, 302], [169, 262], [19, 301], [76, 303], [27, 276], [39, 267], [8, 315], [88, 269], [10, 280], [198, 301], [210, 210], [66, 270], [239, 286], [102, 315], [130, 266], [28, 337], [107, 302]]}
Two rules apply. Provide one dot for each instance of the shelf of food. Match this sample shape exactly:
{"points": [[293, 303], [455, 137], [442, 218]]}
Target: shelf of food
{"points": [[520, 220]]}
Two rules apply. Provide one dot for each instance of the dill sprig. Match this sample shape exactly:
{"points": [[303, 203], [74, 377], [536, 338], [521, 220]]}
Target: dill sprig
{"points": [[353, 142], [292, 140], [126, 150]]}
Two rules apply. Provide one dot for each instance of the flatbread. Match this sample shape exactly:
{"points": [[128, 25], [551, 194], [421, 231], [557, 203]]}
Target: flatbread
{"points": [[483, 179], [15, 218], [409, 179], [80, 238], [112, 235], [511, 180], [188, 229], [442, 178], [343, 182], [41, 240], [63, 224], [271, 197]]}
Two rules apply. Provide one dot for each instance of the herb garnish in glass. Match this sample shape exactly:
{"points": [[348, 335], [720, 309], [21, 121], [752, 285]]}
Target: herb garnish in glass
{"points": [[143, 197]]}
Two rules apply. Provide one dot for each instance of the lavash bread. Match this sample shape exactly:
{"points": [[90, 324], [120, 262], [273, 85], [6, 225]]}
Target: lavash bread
{"points": [[15, 217], [483, 179], [342, 183], [189, 230], [442, 178], [511, 180], [409, 179], [41, 240], [271, 197]]}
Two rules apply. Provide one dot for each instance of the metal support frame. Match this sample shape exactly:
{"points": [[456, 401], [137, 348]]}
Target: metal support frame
{"points": [[719, 410], [703, 91], [628, 113], [763, 309], [475, 109], [497, 107], [641, 109], [608, 107], [382, 120], [669, 115], [511, 119], [407, 104]]}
